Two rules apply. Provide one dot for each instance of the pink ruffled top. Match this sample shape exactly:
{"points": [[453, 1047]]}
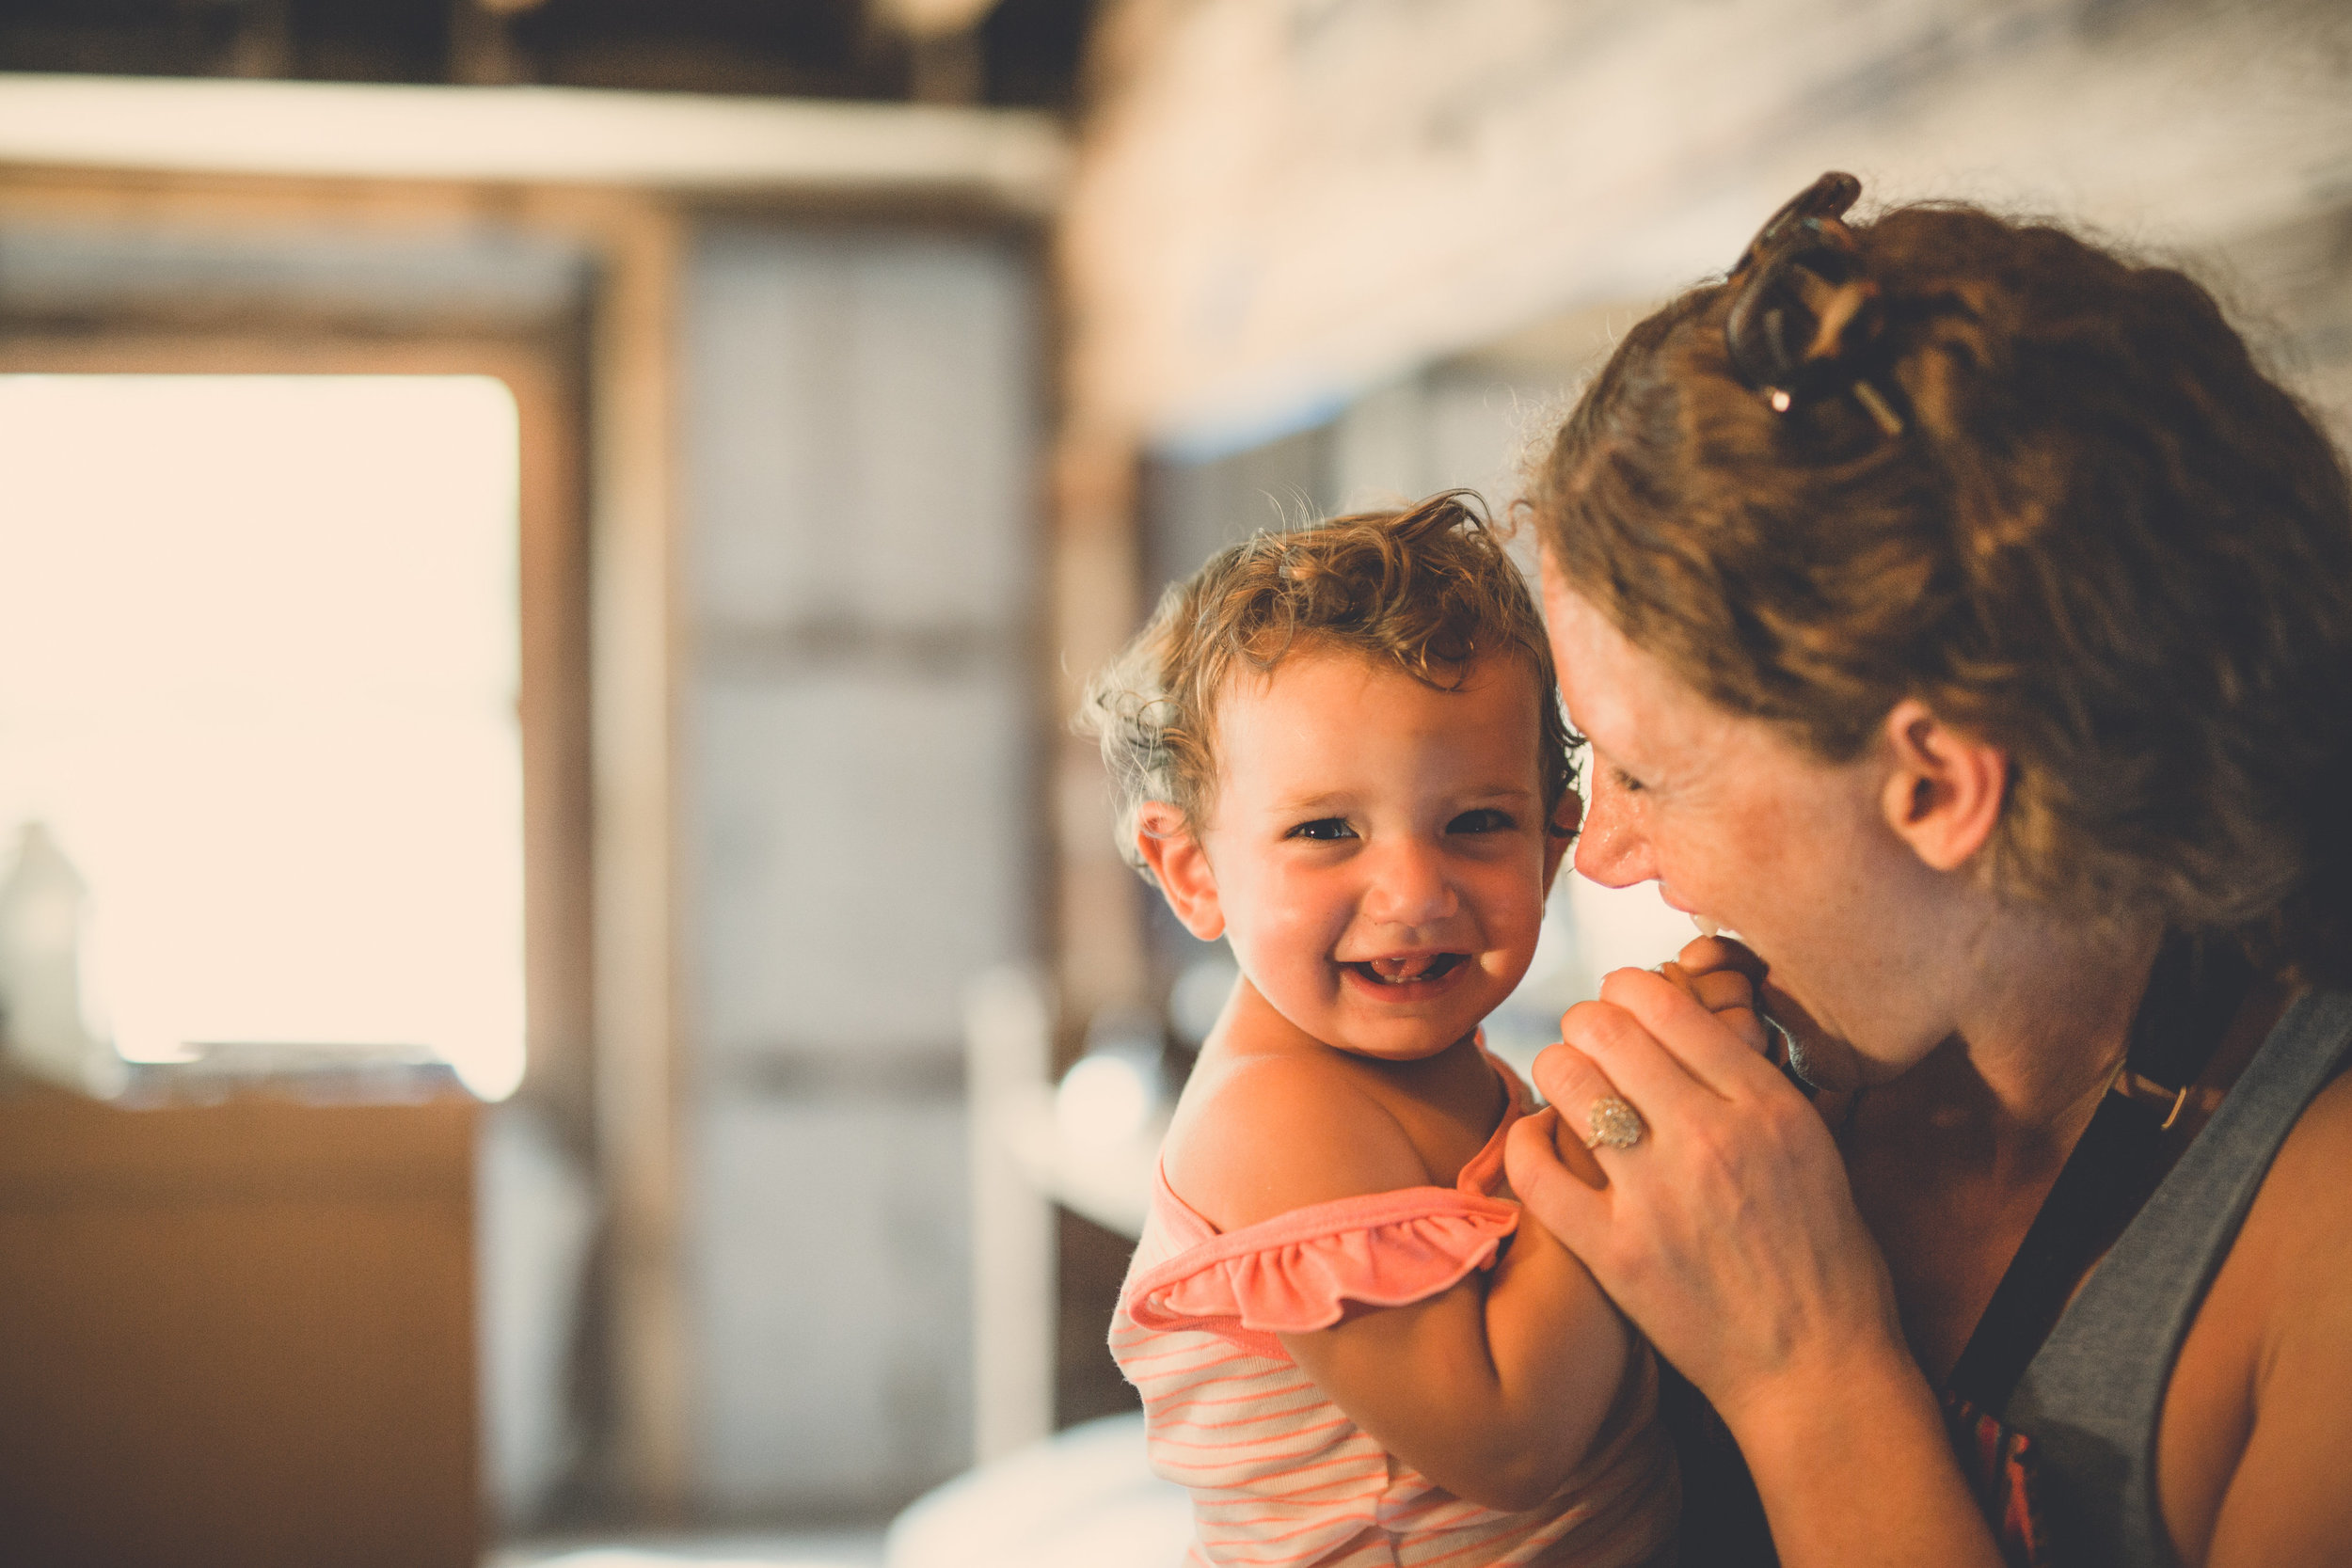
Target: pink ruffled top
{"points": [[1297, 1271], [1280, 1476]]}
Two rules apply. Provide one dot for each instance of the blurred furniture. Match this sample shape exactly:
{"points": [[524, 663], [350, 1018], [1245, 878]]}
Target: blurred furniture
{"points": [[1007, 1041], [1025, 1160], [237, 1334], [1083, 1499]]}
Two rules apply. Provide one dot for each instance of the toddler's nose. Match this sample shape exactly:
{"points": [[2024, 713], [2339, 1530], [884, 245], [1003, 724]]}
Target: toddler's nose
{"points": [[1409, 888]]}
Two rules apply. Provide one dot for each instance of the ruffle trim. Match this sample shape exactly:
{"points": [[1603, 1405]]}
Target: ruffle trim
{"points": [[1297, 1271]]}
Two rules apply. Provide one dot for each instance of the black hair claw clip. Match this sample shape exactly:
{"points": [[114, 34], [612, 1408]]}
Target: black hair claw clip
{"points": [[1806, 313]]}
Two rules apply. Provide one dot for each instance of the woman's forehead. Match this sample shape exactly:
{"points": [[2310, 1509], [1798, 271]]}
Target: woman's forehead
{"points": [[1615, 692], [1628, 702]]}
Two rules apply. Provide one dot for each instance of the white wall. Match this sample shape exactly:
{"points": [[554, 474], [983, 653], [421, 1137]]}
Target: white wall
{"points": [[859, 423]]}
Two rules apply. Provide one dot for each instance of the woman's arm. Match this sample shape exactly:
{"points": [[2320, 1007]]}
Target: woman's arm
{"points": [[1494, 1389], [1729, 1235]]}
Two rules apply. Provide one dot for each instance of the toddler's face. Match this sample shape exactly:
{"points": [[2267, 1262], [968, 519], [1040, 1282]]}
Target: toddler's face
{"points": [[1377, 850]]}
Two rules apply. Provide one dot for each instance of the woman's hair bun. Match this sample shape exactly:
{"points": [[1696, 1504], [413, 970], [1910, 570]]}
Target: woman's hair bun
{"points": [[1806, 313]]}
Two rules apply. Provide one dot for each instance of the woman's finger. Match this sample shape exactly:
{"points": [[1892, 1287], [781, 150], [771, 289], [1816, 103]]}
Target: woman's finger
{"points": [[1559, 1072], [1569, 1145], [1702, 1047], [1567, 1204], [1721, 953], [1637, 1070], [1748, 1025], [1651, 1072], [1728, 995], [1573, 1084], [1720, 990], [1609, 1065]]}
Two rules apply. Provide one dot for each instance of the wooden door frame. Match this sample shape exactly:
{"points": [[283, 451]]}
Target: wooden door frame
{"points": [[552, 696], [600, 477]]}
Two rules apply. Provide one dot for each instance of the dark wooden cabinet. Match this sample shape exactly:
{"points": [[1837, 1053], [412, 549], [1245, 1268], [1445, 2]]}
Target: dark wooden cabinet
{"points": [[238, 1334]]}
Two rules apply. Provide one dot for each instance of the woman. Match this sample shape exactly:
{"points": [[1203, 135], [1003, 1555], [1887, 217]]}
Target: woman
{"points": [[1959, 616]]}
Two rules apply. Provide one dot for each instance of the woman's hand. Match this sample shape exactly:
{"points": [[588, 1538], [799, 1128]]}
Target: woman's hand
{"points": [[1729, 1233], [1720, 975]]}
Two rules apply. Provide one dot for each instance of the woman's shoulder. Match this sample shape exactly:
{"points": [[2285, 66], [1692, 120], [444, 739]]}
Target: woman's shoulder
{"points": [[2300, 1223], [1261, 1135], [2295, 1246], [2263, 1386]]}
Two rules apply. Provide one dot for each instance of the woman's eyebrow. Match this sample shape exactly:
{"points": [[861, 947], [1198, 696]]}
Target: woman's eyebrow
{"points": [[1603, 757]]}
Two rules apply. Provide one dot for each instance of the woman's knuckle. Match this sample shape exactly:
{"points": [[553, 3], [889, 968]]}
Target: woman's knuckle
{"points": [[1721, 998], [1619, 985], [1580, 1017], [1591, 1023]]}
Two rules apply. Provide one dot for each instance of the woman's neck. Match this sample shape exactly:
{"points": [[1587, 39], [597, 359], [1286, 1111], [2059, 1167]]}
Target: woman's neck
{"points": [[1951, 1161], [2048, 1016]]}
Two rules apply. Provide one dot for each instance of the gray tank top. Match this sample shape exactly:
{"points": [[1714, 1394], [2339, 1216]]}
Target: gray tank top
{"points": [[2091, 1396]]}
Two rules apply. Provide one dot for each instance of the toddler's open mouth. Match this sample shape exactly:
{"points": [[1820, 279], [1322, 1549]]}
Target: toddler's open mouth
{"points": [[1419, 969]]}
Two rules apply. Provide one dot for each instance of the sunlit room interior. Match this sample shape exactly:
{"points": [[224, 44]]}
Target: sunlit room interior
{"points": [[570, 996]]}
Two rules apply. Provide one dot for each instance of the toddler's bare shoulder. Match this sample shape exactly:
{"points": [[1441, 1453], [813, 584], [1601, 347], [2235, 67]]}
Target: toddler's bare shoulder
{"points": [[1269, 1134]]}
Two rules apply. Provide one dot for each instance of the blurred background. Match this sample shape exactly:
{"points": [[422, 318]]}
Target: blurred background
{"points": [[568, 994]]}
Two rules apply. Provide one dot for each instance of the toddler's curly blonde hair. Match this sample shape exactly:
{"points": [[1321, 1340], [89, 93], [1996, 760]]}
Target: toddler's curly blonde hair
{"points": [[1429, 588]]}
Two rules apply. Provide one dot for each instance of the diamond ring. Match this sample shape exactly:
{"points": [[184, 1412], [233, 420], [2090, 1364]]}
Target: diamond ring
{"points": [[1614, 1123]]}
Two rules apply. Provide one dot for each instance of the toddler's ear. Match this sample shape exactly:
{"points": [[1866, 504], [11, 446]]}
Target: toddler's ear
{"points": [[1182, 868]]}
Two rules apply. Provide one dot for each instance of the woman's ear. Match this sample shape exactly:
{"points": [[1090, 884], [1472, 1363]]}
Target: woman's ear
{"points": [[1945, 789], [1561, 838], [1182, 868]]}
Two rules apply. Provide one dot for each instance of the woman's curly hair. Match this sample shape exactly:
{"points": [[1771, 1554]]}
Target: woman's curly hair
{"points": [[1428, 589], [2100, 537]]}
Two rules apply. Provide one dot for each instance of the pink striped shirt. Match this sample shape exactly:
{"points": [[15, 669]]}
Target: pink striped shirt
{"points": [[1281, 1477]]}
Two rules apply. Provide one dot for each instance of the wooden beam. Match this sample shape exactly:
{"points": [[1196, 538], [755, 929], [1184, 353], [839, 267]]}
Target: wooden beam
{"points": [[1099, 933], [538, 135], [636, 660]]}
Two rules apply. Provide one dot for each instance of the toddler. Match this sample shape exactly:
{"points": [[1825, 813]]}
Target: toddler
{"points": [[1341, 748]]}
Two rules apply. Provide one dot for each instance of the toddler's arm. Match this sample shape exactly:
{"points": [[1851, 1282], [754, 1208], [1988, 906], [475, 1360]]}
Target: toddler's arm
{"points": [[1497, 1388], [1494, 1389]]}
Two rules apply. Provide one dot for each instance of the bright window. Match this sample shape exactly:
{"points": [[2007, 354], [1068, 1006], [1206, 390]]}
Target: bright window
{"points": [[258, 675]]}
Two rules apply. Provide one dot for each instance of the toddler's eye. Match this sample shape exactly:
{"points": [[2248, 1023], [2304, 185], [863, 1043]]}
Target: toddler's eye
{"points": [[1626, 781], [1484, 820], [1323, 827]]}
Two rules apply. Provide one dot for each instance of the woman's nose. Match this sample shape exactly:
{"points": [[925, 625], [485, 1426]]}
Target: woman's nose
{"points": [[1410, 887], [1610, 851]]}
